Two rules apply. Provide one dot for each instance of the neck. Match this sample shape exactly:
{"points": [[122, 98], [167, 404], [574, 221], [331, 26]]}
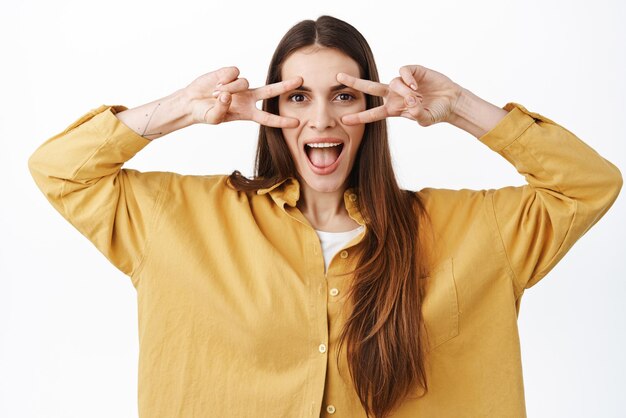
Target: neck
{"points": [[325, 210]]}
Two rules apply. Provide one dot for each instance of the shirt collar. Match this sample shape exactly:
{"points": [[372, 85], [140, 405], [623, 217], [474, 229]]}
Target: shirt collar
{"points": [[287, 191]]}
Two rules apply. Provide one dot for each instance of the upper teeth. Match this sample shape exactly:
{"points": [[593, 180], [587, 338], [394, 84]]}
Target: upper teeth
{"points": [[324, 145]]}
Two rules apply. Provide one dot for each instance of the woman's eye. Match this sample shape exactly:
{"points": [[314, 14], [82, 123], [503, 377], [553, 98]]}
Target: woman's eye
{"points": [[346, 97], [297, 95]]}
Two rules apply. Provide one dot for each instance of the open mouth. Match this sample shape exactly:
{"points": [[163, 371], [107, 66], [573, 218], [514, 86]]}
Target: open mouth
{"points": [[323, 155]]}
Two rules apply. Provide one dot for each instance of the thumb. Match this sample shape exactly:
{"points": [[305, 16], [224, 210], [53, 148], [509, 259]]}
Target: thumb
{"points": [[216, 114], [414, 107]]}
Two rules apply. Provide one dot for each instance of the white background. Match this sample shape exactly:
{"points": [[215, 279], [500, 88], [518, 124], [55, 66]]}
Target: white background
{"points": [[68, 318]]}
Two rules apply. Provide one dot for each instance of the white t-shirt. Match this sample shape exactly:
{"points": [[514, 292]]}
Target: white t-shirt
{"points": [[332, 242]]}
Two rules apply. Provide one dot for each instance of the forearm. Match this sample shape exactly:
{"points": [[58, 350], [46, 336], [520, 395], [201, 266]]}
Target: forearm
{"points": [[160, 117], [475, 115]]}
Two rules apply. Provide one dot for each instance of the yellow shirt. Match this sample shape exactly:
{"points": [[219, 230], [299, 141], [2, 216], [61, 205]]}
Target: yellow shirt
{"points": [[236, 316]]}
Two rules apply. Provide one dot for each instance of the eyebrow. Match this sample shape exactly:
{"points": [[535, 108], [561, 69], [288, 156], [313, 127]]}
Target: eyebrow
{"points": [[333, 88]]}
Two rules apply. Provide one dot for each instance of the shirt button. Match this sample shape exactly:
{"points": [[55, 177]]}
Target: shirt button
{"points": [[330, 409], [353, 197], [322, 348], [334, 291], [344, 254]]}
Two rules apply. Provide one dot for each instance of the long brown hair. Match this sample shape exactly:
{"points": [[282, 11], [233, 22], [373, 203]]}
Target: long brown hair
{"points": [[385, 348]]}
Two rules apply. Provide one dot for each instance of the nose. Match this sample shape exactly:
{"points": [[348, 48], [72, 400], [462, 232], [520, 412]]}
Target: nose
{"points": [[321, 117]]}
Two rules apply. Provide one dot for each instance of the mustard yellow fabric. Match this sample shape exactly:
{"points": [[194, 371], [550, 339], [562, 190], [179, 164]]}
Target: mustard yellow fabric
{"points": [[236, 316]]}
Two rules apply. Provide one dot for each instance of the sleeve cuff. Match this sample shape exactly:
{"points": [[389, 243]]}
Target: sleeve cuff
{"points": [[511, 126], [110, 127]]}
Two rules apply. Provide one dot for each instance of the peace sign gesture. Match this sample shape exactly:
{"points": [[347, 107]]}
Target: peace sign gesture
{"points": [[220, 96], [419, 94]]}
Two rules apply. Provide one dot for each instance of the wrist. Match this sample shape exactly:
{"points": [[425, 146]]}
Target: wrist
{"points": [[158, 118], [181, 107], [475, 115]]}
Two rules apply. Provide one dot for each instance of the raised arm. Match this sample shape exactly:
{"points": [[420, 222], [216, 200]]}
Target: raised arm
{"points": [[79, 172], [570, 186], [80, 169]]}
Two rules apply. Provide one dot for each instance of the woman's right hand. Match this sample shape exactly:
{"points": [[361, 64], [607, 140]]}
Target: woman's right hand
{"points": [[220, 96]]}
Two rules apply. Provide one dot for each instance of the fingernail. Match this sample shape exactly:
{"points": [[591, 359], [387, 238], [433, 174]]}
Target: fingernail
{"points": [[410, 100], [216, 93], [413, 86], [224, 98]]}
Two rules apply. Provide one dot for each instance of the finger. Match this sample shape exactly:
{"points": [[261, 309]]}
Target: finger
{"points": [[241, 84], [411, 98], [274, 121], [366, 86], [217, 112], [226, 74], [406, 73], [367, 116], [276, 89]]}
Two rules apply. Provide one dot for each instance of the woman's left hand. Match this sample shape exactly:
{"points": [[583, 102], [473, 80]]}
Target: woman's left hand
{"points": [[419, 94]]}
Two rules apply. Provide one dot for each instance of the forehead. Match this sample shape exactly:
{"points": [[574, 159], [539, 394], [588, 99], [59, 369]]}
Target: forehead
{"points": [[318, 66]]}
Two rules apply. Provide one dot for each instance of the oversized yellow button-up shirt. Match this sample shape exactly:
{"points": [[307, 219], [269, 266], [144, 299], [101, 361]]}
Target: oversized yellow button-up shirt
{"points": [[236, 316]]}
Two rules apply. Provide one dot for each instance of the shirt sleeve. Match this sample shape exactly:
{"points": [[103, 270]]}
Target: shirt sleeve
{"points": [[79, 171], [570, 187]]}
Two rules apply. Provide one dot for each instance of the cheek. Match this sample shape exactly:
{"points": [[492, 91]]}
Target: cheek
{"points": [[291, 138], [285, 109], [293, 111], [356, 135], [357, 107]]}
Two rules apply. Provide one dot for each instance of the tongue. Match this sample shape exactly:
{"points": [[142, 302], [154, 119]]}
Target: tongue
{"points": [[323, 157]]}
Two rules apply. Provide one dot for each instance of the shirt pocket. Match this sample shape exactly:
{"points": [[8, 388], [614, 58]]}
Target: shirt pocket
{"points": [[440, 306]]}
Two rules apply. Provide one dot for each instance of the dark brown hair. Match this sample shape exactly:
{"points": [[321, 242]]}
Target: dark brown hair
{"points": [[384, 342]]}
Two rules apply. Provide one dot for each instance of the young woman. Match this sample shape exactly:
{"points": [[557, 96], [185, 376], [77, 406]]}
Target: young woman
{"points": [[319, 287]]}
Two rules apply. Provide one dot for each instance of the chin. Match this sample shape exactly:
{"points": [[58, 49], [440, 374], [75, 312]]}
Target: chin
{"points": [[325, 185]]}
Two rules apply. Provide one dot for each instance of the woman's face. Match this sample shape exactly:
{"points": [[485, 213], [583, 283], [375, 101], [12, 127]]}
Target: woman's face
{"points": [[322, 147]]}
